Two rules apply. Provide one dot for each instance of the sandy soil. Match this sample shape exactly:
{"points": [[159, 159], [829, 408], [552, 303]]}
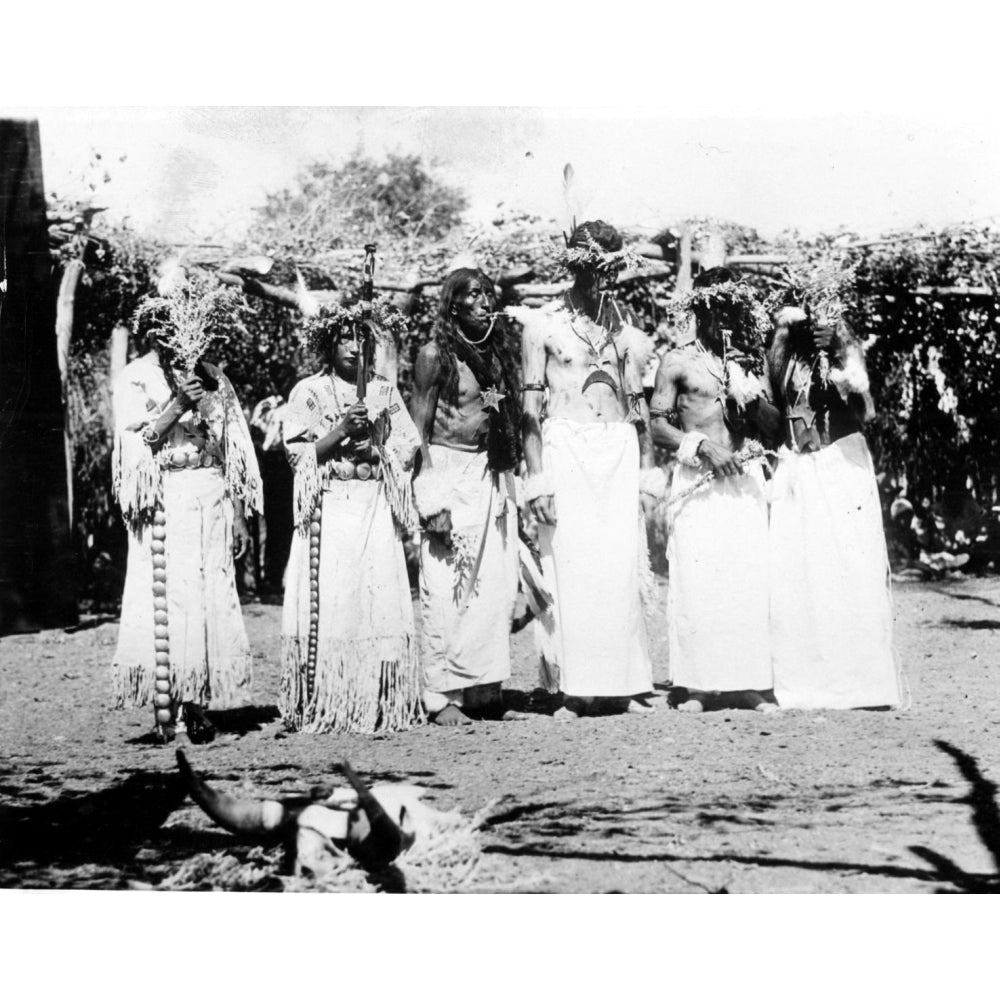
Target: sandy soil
{"points": [[728, 801]]}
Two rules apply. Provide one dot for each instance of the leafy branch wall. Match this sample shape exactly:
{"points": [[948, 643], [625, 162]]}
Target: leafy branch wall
{"points": [[923, 302]]}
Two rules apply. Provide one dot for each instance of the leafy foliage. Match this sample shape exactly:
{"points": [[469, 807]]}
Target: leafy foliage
{"points": [[934, 364], [933, 359], [333, 207]]}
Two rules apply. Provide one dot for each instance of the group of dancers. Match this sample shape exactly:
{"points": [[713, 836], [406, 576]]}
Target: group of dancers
{"points": [[535, 472]]}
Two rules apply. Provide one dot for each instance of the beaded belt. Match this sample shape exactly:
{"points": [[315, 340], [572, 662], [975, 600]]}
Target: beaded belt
{"points": [[176, 459]]}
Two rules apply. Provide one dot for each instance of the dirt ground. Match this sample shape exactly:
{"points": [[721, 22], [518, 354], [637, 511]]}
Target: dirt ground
{"points": [[728, 801]]}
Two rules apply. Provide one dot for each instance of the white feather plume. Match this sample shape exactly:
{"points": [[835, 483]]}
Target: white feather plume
{"points": [[307, 302], [572, 200], [465, 258], [171, 276]]}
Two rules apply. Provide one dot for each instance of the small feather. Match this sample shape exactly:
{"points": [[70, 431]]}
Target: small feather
{"points": [[307, 302]]}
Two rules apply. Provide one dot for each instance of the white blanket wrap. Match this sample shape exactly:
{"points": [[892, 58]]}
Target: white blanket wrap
{"points": [[467, 611], [366, 676], [717, 596], [593, 638], [831, 616], [210, 659]]}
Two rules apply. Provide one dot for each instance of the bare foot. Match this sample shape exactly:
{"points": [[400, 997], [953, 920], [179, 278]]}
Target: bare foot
{"points": [[692, 705], [638, 707], [767, 707], [565, 714], [451, 715], [512, 716]]}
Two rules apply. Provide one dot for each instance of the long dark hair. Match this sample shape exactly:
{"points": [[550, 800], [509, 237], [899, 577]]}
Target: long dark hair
{"points": [[493, 366]]}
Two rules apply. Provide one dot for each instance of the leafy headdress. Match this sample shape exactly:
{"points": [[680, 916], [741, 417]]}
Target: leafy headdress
{"points": [[333, 320], [744, 318], [597, 247]]}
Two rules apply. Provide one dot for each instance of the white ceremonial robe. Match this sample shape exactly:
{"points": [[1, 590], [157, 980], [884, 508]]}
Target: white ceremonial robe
{"points": [[593, 638], [717, 591], [209, 655], [831, 615], [366, 675], [468, 590]]}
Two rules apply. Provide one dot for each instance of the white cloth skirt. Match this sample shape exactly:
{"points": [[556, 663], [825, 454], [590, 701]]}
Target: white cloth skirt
{"points": [[366, 670], [717, 594], [831, 615], [210, 660], [466, 612], [593, 638]]}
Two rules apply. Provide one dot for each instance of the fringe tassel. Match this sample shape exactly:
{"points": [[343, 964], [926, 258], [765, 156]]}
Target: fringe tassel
{"points": [[307, 486], [398, 489], [242, 473], [135, 476], [362, 686], [223, 685]]}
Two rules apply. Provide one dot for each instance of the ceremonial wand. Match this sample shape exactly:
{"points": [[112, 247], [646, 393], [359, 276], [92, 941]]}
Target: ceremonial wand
{"points": [[363, 330]]}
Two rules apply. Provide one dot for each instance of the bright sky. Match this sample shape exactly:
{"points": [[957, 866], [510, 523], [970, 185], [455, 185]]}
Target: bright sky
{"points": [[196, 172]]}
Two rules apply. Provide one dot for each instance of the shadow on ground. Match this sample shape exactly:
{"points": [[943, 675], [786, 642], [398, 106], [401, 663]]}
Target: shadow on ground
{"points": [[543, 829]]}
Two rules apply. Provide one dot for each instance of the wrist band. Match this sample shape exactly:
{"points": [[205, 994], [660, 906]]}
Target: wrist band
{"points": [[687, 453], [537, 485]]}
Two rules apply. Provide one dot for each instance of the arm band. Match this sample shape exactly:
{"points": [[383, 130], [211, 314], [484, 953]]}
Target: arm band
{"points": [[669, 415], [534, 387], [687, 453]]}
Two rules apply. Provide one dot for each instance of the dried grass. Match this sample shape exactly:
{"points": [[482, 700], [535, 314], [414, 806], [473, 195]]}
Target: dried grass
{"points": [[444, 860]]}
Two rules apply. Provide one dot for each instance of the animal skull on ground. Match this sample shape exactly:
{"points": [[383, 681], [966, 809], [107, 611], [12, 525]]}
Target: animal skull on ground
{"points": [[374, 826]]}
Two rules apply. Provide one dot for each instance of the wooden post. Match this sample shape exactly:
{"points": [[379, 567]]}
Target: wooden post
{"points": [[36, 550], [684, 277], [117, 352], [714, 254], [65, 311]]}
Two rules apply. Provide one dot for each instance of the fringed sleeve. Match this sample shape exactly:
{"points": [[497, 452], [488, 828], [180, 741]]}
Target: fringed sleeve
{"points": [[135, 472], [295, 430], [242, 473], [397, 459]]}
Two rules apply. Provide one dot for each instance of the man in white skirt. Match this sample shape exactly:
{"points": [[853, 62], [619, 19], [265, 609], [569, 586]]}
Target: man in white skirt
{"points": [[585, 438], [465, 405], [708, 405], [831, 616]]}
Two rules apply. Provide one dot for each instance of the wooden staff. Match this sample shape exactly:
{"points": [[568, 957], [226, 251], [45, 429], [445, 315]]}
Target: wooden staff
{"points": [[363, 331]]}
